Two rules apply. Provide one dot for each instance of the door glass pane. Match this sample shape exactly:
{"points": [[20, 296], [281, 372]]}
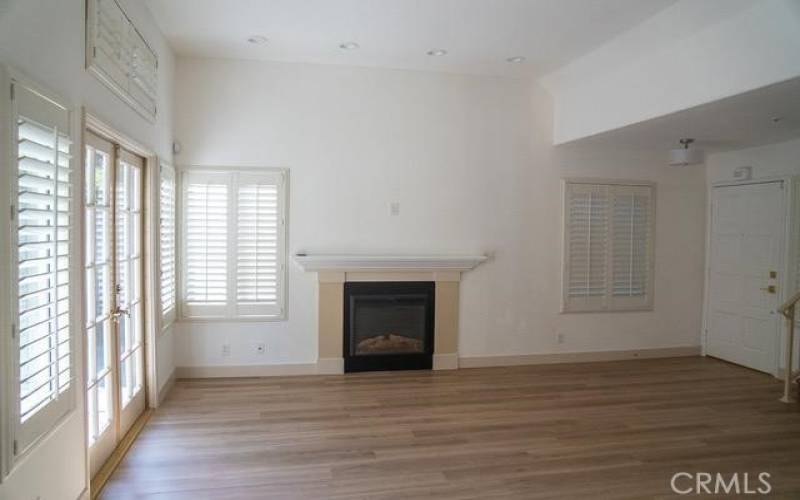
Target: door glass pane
{"points": [[129, 287], [104, 406], [101, 347], [101, 291]]}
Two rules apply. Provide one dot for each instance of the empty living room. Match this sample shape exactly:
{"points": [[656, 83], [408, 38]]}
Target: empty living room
{"points": [[399, 249]]}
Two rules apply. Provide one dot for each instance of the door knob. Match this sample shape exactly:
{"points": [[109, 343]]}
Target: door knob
{"points": [[769, 289]]}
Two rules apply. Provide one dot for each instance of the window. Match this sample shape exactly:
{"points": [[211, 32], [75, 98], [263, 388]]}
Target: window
{"points": [[608, 246], [42, 243], [167, 239], [119, 56], [233, 244]]}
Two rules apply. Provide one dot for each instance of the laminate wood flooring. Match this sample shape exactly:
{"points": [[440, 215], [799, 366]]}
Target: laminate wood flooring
{"points": [[589, 430]]}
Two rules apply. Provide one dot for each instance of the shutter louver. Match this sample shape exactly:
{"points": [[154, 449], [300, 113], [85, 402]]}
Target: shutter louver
{"points": [[167, 239], [206, 217], [608, 246], [44, 239], [259, 240]]}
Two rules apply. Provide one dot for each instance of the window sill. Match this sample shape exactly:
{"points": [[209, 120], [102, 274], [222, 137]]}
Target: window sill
{"points": [[236, 319], [595, 311]]}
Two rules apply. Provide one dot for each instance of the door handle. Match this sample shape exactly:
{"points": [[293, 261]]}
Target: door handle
{"points": [[769, 289], [118, 311]]}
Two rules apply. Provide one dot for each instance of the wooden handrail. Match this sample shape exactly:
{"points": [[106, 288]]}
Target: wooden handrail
{"points": [[784, 309], [788, 310]]}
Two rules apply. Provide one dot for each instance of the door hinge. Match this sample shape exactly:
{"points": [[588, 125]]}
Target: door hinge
{"points": [[13, 331], [16, 447], [12, 212], [94, 51], [12, 93]]}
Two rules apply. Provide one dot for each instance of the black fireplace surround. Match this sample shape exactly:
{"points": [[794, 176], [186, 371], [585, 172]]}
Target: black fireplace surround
{"points": [[388, 325]]}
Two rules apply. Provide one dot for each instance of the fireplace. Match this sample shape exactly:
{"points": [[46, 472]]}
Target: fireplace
{"points": [[388, 325]]}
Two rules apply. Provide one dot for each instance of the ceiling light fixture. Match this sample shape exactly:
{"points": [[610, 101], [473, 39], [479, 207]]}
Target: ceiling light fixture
{"points": [[684, 156], [257, 39], [349, 46], [516, 59], [437, 52]]}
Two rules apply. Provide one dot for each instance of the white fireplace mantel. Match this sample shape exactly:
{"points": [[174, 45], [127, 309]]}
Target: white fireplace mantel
{"points": [[358, 263]]}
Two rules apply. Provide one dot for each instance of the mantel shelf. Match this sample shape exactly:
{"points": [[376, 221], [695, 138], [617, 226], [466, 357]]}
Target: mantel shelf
{"points": [[355, 263]]}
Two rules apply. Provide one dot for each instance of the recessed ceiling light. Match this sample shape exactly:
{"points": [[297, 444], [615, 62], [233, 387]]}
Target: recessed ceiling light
{"points": [[257, 39], [437, 52], [516, 59], [349, 46]]}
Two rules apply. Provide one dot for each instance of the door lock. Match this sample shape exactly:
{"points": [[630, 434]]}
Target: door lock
{"points": [[769, 289]]}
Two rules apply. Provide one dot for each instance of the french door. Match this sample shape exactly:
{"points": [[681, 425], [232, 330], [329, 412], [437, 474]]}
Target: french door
{"points": [[115, 393]]}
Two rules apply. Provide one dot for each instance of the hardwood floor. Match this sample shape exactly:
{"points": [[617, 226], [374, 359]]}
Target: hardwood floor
{"points": [[592, 430]]}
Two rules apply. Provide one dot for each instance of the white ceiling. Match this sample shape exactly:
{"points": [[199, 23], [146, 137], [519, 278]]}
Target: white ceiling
{"points": [[478, 34], [741, 121]]}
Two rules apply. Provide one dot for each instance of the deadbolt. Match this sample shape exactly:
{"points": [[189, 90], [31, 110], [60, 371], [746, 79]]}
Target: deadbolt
{"points": [[773, 275]]}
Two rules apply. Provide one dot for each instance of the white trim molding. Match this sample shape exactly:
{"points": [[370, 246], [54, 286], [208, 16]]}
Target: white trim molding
{"points": [[577, 357], [246, 370], [355, 262]]}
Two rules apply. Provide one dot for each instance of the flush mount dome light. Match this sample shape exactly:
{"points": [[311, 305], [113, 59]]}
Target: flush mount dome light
{"points": [[257, 39], [437, 52], [349, 46], [516, 59], [684, 156]]}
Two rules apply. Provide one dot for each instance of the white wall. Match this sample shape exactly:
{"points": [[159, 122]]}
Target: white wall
{"points": [[688, 54], [470, 161], [774, 160], [44, 39]]}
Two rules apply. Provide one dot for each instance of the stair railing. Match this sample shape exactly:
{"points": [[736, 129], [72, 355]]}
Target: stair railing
{"points": [[788, 309]]}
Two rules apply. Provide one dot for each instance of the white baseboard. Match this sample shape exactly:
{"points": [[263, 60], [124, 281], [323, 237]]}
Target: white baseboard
{"points": [[246, 370], [445, 361], [165, 389], [576, 357], [330, 366], [450, 361]]}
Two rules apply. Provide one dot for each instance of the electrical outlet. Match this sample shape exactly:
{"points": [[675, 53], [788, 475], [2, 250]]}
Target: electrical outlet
{"points": [[226, 350], [394, 208], [261, 348], [561, 338]]}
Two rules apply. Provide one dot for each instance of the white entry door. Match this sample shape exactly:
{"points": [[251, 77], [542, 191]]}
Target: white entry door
{"points": [[746, 263]]}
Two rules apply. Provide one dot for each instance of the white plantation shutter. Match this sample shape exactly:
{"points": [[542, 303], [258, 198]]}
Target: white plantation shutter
{"points": [[259, 242], [587, 244], [608, 246], [632, 241], [206, 244], [44, 238], [233, 244], [167, 242]]}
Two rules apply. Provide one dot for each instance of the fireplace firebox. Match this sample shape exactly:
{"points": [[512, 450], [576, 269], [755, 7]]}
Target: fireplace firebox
{"points": [[388, 325]]}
